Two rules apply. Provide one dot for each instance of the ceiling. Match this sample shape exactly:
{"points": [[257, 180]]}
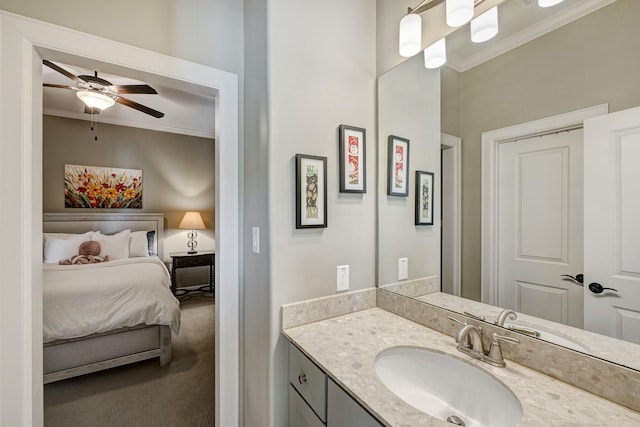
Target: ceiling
{"points": [[187, 111], [520, 21]]}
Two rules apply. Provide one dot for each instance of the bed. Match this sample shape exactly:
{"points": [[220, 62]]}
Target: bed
{"points": [[108, 314]]}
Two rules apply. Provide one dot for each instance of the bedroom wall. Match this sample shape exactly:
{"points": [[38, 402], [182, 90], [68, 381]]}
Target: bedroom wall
{"points": [[176, 172], [321, 73], [591, 61]]}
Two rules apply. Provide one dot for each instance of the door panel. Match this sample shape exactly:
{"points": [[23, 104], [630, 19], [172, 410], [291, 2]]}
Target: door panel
{"points": [[612, 228], [540, 226]]}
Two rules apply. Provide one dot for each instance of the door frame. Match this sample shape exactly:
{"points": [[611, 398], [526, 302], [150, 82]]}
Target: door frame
{"points": [[22, 42], [455, 143], [489, 200]]}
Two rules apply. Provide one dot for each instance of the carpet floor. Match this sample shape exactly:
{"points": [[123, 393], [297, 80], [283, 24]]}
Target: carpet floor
{"points": [[144, 393]]}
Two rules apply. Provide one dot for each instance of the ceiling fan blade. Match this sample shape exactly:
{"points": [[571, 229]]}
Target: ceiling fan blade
{"points": [[139, 107], [90, 110], [146, 89], [62, 71], [58, 86]]}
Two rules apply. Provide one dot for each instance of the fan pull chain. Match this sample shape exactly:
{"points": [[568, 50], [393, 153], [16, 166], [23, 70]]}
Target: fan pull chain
{"points": [[94, 126]]}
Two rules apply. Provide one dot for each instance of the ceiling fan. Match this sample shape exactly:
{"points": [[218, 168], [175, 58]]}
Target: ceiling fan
{"points": [[98, 94]]}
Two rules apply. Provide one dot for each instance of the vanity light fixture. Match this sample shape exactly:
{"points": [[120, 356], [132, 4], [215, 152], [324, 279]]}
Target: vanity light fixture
{"points": [[548, 3], [436, 55], [485, 26], [93, 99], [410, 35], [459, 12]]}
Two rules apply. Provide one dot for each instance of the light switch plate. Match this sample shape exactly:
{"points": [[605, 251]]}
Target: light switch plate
{"points": [[342, 278], [255, 245], [403, 268]]}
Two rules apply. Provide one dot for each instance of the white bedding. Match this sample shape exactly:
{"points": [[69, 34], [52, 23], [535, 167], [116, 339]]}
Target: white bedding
{"points": [[80, 300]]}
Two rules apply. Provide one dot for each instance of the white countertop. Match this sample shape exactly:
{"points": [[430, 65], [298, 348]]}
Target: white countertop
{"points": [[346, 347]]}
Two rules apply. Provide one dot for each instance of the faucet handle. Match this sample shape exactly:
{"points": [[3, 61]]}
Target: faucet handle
{"points": [[494, 357], [474, 316], [460, 322]]}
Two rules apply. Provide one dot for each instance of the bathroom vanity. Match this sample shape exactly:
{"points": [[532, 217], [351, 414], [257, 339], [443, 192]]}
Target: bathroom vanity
{"points": [[339, 353]]}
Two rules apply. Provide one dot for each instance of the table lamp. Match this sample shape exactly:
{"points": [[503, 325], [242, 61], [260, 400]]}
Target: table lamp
{"points": [[192, 221]]}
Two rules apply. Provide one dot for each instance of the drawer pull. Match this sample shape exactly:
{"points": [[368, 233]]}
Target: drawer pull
{"points": [[302, 379]]}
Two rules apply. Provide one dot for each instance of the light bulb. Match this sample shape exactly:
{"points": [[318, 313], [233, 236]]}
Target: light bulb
{"points": [[459, 12], [436, 55], [485, 26], [93, 99], [410, 35]]}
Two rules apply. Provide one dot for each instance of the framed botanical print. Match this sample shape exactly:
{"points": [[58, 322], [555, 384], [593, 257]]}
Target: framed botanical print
{"points": [[398, 166], [311, 191], [424, 198], [352, 155]]}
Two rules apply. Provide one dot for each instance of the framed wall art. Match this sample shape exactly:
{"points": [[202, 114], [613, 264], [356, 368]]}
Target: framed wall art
{"points": [[102, 187], [424, 198], [352, 155], [311, 191], [398, 166]]}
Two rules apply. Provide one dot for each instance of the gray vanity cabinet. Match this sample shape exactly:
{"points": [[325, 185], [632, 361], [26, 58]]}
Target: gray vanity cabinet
{"points": [[316, 401]]}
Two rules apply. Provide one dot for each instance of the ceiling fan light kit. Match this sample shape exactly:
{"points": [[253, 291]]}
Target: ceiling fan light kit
{"points": [[458, 12], [94, 99]]}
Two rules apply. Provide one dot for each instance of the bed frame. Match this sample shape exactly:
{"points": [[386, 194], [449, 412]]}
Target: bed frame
{"points": [[78, 356]]}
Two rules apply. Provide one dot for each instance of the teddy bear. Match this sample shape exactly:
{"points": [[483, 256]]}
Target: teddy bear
{"points": [[88, 253]]}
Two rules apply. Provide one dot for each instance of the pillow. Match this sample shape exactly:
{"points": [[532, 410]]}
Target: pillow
{"points": [[139, 244], [151, 238], [59, 249], [115, 245]]}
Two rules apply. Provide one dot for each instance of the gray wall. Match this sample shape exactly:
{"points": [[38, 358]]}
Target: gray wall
{"points": [[591, 61], [408, 107], [321, 73], [176, 169]]}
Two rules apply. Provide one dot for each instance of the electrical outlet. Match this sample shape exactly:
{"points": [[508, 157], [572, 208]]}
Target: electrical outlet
{"points": [[403, 268], [255, 246], [342, 278]]}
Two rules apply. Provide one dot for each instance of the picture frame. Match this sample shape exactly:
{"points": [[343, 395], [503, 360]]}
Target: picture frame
{"points": [[99, 187], [424, 198], [398, 166], [352, 159], [311, 191]]}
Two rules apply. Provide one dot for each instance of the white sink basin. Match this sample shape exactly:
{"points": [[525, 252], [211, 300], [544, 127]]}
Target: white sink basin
{"points": [[442, 386], [552, 337]]}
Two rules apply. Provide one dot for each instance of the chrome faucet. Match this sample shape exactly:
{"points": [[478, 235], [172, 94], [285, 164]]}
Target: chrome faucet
{"points": [[503, 316]]}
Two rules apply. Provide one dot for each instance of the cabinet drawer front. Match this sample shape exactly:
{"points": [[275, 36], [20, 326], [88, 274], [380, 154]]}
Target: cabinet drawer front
{"points": [[194, 261], [300, 415], [309, 380]]}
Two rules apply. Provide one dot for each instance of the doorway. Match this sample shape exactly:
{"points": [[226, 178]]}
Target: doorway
{"points": [[451, 236], [24, 43], [502, 228]]}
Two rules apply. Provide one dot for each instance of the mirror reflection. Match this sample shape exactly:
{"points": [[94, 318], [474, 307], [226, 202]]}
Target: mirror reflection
{"points": [[518, 110]]}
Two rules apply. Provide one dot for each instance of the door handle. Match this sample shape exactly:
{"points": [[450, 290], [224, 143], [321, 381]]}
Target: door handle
{"points": [[579, 278], [597, 288]]}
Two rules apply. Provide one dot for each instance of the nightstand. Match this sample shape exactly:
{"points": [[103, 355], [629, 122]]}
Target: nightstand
{"points": [[186, 260]]}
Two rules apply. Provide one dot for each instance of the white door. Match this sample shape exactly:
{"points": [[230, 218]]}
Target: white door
{"points": [[447, 222], [539, 226], [612, 224]]}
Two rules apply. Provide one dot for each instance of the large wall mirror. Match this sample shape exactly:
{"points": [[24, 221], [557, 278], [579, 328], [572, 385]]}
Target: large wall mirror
{"points": [[588, 65]]}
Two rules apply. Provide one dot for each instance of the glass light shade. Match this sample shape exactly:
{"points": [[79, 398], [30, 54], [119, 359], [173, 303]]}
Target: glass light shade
{"points": [[95, 99], [436, 55], [192, 221], [459, 12], [410, 35], [485, 26], [548, 3]]}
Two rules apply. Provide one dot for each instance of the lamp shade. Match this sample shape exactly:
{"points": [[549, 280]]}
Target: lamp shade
{"points": [[192, 221], [410, 35], [485, 26], [436, 55], [548, 3], [94, 99], [459, 12]]}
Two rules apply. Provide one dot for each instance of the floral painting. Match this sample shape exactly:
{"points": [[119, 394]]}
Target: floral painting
{"points": [[100, 187]]}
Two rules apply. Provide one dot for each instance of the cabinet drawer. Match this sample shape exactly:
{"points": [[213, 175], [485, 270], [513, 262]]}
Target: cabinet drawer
{"points": [[300, 415], [193, 260], [309, 380]]}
